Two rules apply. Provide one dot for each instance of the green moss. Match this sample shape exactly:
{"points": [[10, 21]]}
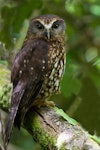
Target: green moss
{"points": [[63, 147], [39, 133], [5, 87]]}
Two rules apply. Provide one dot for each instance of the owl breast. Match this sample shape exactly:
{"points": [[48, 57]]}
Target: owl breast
{"points": [[53, 78]]}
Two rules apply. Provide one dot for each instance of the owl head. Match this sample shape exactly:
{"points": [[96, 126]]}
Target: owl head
{"points": [[47, 26]]}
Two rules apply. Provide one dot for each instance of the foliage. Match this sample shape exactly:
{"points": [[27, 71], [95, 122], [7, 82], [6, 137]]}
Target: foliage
{"points": [[5, 87], [81, 83]]}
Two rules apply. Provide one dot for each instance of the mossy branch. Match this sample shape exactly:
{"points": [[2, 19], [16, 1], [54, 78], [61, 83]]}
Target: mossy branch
{"points": [[51, 127], [54, 130]]}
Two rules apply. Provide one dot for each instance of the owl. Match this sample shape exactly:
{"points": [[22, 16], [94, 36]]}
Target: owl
{"points": [[38, 68]]}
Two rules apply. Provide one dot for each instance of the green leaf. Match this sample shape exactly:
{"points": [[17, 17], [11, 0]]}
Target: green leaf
{"points": [[66, 117]]}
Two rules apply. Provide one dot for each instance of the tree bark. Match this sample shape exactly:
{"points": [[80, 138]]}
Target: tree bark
{"points": [[54, 130]]}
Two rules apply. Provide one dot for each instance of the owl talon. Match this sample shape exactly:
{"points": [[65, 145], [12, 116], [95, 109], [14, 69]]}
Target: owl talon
{"points": [[41, 103], [49, 103]]}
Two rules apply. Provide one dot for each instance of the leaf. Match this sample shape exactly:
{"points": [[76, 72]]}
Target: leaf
{"points": [[66, 117]]}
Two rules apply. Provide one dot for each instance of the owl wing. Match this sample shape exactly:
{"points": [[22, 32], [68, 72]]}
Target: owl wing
{"points": [[28, 74], [32, 56]]}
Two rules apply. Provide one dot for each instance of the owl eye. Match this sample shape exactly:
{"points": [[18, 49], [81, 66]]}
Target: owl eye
{"points": [[39, 25], [55, 25]]}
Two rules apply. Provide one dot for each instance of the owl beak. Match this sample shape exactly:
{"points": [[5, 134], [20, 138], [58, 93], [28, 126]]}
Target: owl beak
{"points": [[48, 34]]}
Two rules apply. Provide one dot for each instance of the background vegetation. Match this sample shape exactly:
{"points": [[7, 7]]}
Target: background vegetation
{"points": [[80, 89]]}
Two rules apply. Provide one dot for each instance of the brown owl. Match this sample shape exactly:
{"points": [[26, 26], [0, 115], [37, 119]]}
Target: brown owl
{"points": [[38, 68]]}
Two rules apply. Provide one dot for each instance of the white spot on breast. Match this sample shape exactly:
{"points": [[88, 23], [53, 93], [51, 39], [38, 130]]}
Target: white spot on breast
{"points": [[43, 67], [60, 72], [57, 83], [20, 71], [32, 68], [53, 71], [51, 77], [46, 75], [43, 61], [24, 60], [61, 62], [52, 74], [56, 64]]}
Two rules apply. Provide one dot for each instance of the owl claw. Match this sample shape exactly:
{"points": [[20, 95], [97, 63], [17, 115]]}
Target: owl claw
{"points": [[41, 103]]}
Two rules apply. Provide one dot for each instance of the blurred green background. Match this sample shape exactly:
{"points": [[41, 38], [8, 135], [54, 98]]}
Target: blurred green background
{"points": [[80, 88]]}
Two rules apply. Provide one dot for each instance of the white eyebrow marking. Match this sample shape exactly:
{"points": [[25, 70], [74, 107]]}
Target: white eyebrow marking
{"points": [[48, 26]]}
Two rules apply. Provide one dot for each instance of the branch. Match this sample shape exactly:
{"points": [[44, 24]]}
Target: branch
{"points": [[52, 128]]}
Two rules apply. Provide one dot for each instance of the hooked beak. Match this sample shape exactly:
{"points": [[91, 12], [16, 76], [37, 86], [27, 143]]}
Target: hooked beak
{"points": [[47, 33]]}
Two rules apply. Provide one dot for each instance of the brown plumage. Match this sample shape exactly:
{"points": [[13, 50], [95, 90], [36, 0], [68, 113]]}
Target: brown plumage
{"points": [[38, 68]]}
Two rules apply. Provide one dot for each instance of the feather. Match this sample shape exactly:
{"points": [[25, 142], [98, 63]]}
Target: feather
{"points": [[27, 101], [15, 99]]}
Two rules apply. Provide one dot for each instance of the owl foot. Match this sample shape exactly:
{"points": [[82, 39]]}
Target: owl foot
{"points": [[49, 103], [41, 103]]}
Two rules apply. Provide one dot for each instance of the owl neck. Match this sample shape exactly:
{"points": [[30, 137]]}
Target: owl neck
{"points": [[60, 39]]}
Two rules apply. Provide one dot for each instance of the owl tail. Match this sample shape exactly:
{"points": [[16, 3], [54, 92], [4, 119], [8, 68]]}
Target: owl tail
{"points": [[15, 101]]}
